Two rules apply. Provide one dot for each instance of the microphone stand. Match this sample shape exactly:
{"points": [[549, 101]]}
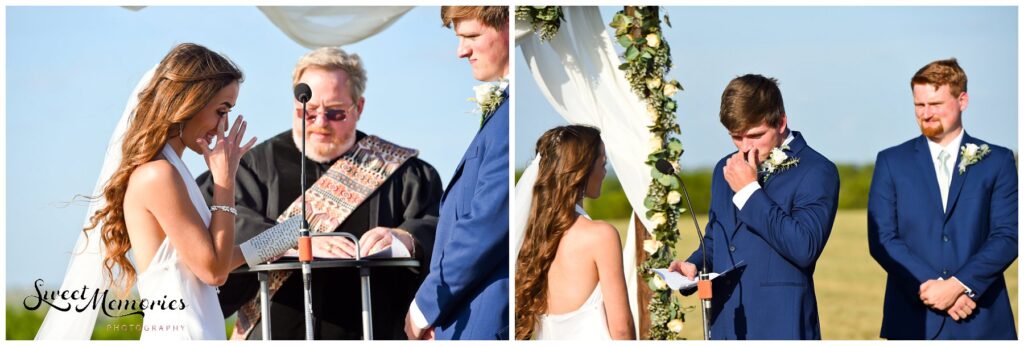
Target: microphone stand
{"points": [[305, 242], [704, 278]]}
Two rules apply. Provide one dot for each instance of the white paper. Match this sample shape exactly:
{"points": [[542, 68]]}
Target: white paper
{"points": [[677, 281]]}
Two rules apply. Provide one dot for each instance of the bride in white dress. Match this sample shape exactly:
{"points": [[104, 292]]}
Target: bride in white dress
{"points": [[569, 278], [151, 205]]}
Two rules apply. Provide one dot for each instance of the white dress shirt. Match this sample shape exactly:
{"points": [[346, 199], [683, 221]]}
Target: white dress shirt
{"points": [[953, 150]]}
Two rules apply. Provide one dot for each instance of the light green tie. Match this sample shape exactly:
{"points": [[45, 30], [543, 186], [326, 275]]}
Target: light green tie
{"points": [[943, 177]]}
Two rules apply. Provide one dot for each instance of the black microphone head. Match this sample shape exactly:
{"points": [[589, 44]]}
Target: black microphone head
{"points": [[664, 167], [302, 92]]}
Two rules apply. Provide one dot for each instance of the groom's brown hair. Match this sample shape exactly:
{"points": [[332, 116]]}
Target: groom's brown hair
{"points": [[749, 100], [493, 16]]}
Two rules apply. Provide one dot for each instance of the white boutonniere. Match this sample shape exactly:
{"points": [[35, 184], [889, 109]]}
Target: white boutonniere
{"points": [[970, 154], [488, 97], [778, 161]]}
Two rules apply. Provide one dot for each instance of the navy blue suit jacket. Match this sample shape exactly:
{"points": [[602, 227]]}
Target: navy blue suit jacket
{"points": [[778, 235], [465, 295], [914, 239]]}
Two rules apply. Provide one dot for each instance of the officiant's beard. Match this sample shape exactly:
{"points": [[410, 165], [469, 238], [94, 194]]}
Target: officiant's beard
{"points": [[322, 151]]}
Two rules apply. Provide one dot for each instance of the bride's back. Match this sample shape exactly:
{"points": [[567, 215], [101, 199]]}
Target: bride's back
{"points": [[574, 270]]}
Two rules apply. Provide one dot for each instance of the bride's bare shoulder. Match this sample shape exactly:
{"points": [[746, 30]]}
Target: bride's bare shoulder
{"points": [[596, 231], [155, 177]]}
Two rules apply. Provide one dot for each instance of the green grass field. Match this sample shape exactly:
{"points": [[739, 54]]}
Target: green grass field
{"points": [[849, 283]]}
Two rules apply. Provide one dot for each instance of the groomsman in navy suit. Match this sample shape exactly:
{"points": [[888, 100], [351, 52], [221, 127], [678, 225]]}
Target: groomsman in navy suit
{"points": [[772, 207], [942, 221], [465, 295]]}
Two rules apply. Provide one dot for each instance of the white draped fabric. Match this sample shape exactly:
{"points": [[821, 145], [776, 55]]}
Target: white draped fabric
{"points": [[577, 72], [328, 26], [311, 27], [317, 26]]}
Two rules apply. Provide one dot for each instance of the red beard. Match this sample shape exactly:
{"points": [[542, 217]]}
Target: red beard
{"points": [[931, 131]]}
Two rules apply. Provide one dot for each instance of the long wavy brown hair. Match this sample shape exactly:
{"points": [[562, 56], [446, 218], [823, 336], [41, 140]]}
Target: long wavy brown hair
{"points": [[567, 156], [185, 81]]}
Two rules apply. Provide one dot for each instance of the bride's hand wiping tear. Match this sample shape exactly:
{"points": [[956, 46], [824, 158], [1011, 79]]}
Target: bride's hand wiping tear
{"points": [[223, 158]]}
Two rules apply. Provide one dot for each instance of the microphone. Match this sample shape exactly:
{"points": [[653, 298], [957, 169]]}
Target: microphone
{"points": [[704, 282], [665, 167], [302, 92]]}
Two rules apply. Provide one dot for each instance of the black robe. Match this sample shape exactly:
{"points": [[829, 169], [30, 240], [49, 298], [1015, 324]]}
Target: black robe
{"points": [[267, 183]]}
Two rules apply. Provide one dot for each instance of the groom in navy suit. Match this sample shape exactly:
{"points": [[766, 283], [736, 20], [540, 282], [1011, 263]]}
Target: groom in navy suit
{"points": [[942, 221], [465, 295], [772, 207]]}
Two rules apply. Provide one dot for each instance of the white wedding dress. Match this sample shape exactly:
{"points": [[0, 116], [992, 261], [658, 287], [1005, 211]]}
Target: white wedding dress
{"points": [[168, 279], [588, 322]]}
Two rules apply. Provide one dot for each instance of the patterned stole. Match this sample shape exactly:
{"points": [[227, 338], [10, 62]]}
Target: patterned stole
{"points": [[330, 200]]}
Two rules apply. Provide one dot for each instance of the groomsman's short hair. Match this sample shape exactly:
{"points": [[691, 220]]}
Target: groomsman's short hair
{"points": [[332, 59], [942, 72], [750, 100], [493, 16]]}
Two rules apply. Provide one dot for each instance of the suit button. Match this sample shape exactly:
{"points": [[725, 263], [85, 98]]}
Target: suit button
{"points": [[945, 239], [732, 249], [945, 272]]}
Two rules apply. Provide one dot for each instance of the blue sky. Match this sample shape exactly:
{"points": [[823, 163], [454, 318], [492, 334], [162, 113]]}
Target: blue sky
{"points": [[844, 73], [70, 70]]}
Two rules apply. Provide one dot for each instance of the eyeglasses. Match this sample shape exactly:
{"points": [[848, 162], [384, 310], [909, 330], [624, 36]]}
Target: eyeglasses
{"points": [[332, 113]]}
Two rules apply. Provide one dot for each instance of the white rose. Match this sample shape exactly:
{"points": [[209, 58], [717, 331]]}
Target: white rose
{"points": [[654, 143], [670, 89], [778, 157], [659, 284], [483, 92], [658, 219], [676, 326], [972, 149], [672, 197], [675, 166], [653, 40], [652, 246], [653, 83]]}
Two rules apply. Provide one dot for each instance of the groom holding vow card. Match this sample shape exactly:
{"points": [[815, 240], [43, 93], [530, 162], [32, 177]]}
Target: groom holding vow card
{"points": [[772, 207]]}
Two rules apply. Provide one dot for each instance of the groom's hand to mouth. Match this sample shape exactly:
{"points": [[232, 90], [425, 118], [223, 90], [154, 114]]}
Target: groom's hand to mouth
{"points": [[741, 169]]}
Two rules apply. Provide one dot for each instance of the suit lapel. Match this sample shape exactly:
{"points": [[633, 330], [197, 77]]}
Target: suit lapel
{"points": [[958, 179], [795, 147], [924, 162], [504, 103], [462, 163], [733, 214]]}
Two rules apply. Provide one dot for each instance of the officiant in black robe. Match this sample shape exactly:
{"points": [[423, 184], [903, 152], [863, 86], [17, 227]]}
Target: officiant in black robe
{"points": [[268, 182]]}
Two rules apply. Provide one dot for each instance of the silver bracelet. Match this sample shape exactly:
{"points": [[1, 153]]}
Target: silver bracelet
{"points": [[224, 208]]}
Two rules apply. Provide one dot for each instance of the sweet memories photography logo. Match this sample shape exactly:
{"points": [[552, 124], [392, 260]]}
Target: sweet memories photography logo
{"points": [[87, 298]]}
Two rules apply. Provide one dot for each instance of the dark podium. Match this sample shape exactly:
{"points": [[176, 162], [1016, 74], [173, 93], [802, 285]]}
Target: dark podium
{"points": [[364, 265]]}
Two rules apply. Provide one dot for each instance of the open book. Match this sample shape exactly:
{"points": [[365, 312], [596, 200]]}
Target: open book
{"points": [[678, 282], [284, 236]]}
